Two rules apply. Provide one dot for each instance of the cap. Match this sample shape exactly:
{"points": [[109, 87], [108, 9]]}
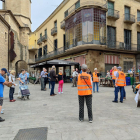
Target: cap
{"points": [[4, 69], [95, 69], [119, 68], [84, 67]]}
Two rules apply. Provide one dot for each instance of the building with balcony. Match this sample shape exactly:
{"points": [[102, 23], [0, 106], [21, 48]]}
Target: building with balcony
{"points": [[98, 33]]}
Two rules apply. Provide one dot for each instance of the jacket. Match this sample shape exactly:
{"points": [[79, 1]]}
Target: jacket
{"points": [[52, 75], [84, 85], [95, 77]]}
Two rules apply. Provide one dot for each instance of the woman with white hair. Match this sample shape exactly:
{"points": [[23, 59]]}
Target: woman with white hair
{"points": [[12, 88]]}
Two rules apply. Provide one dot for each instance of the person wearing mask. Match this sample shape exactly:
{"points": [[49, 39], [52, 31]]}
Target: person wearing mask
{"points": [[12, 88], [53, 80], [60, 81], [120, 82], [27, 80], [84, 87], [95, 80], [43, 75], [2, 83], [37, 77], [74, 75]]}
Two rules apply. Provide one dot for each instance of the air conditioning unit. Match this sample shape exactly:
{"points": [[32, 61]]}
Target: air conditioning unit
{"points": [[122, 45]]}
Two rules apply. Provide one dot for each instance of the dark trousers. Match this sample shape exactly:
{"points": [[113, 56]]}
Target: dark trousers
{"points": [[45, 81], [121, 89], [52, 87], [42, 83], [49, 84], [88, 99], [11, 92]]}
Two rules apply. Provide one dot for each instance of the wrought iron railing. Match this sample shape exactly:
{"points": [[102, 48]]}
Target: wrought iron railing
{"points": [[44, 38], [129, 18], [113, 13], [51, 54], [99, 3], [39, 41], [54, 31], [62, 24]]}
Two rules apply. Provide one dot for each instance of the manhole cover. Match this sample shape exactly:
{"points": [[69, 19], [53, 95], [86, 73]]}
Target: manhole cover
{"points": [[32, 134]]}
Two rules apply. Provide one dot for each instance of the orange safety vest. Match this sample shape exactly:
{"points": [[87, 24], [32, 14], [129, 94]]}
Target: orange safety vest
{"points": [[121, 82], [84, 85], [95, 77], [138, 86], [113, 76]]}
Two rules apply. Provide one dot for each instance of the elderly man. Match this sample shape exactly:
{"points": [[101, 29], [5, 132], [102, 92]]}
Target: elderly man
{"points": [[120, 82], [74, 75], [43, 75], [84, 86], [2, 83], [52, 80], [95, 80]]}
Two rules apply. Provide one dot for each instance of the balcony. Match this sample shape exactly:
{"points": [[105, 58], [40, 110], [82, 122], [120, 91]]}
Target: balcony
{"points": [[39, 41], [62, 24], [113, 14], [138, 21], [87, 3], [44, 38], [54, 31], [59, 51], [129, 18]]}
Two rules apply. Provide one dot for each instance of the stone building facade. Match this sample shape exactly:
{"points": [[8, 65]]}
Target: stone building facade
{"points": [[18, 16], [99, 33]]}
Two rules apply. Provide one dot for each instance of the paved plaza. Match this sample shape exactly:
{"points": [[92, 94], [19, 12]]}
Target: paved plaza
{"points": [[112, 121]]}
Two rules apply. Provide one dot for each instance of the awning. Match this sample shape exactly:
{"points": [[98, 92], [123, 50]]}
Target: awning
{"points": [[56, 62]]}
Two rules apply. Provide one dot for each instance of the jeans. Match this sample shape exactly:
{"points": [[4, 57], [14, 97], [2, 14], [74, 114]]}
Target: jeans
{"points": [[117, 89], [113, 81], [11, 92], [49, 84], [42, 83], [96, 86], [52, 87], [88, 99]]}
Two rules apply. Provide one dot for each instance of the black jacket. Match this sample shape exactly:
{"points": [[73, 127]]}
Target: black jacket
{"points": [[52, 75]]}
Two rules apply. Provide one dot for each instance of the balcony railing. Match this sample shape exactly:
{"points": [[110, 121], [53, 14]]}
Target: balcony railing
{"points": [[54, 31], [51, 54], [62, 24], [39, 41], [113, 14], [100, 3], [129, 18], [44, 38]]}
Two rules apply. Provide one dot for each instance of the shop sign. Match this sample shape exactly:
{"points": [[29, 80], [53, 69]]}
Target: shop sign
{"points": [[66, 63]]}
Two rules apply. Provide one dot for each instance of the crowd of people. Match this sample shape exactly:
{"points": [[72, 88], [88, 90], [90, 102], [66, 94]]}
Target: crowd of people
{"points": [[84, 80]]}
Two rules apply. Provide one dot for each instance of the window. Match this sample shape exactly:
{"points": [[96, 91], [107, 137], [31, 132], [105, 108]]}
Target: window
{"points": [[138, 15], [127, 13], [55, 24], [138, 40], [127, 39], [39, 52], [110, 8], [45, 50], [55, 45], [127, 65], [77, 4], [41, 35], [46, 33], [66, 13], [111, 36]]}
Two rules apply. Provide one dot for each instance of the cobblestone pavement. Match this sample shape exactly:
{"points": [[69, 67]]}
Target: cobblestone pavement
{"points": [[60, 114]]}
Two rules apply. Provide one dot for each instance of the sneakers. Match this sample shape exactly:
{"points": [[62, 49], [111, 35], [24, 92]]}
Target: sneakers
{"points": [[90, 121], [115, 101], [1, 119], [59, 93], [81, 120], [12, 100]]}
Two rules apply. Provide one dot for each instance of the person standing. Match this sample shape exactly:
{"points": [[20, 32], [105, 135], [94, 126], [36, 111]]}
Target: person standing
{"points": [[120, 82], [12, 88], [49, 80], [114, 75], [84, 86], [60, 81], [37, 77], [43, 75], [45, 79], [2, 83], [53, 79], [95, 80], [74, 75], [27, 80]]}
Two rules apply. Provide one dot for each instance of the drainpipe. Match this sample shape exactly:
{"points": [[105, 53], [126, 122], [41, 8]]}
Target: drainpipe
{"points": [[8, 47]]}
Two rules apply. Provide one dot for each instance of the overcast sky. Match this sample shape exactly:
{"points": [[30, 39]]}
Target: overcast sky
{"points": [[40, 10]]}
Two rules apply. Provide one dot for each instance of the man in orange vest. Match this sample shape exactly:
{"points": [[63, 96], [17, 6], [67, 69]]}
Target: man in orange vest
{"points": [[84, 86], [95, 80], [120, 82]]}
